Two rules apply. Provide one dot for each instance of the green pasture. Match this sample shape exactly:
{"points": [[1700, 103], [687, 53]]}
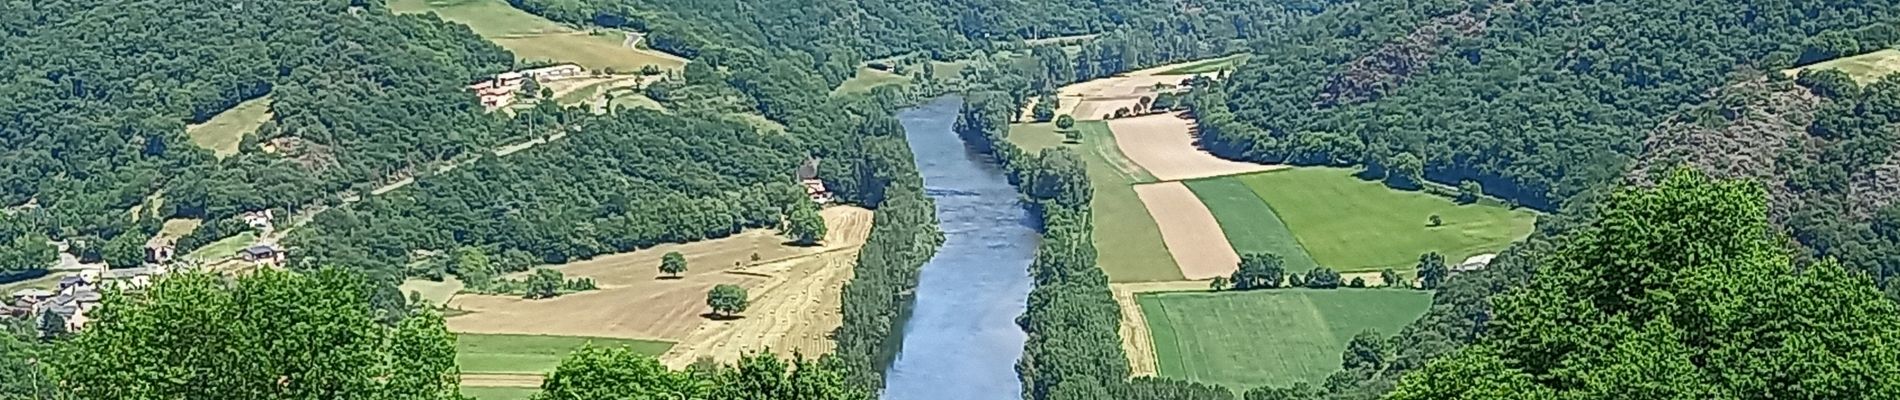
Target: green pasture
{"points": [[867, 79], [1864, 68], [499, 393], [222, 133], [531, 37], [1250, 225], [1127, 242], [1214, 65], [1351, 224], [492, 353], [1243, 340]]}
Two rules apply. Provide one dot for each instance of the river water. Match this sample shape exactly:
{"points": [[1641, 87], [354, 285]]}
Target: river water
{"points": [[961, 341]]}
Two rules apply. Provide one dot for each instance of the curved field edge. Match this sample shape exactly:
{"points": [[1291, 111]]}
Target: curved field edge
{"points": [[1353, 225], [1127, 239], [1250, 225], [1243, 340]]}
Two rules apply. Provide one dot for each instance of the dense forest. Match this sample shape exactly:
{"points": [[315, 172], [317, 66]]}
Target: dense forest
{"points": [[101, 91], [1539, 101]]}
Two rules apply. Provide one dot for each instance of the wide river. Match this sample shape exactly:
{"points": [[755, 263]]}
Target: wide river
{"points": [[961, 341]]}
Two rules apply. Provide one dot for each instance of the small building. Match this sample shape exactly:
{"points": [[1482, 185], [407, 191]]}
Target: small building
{"points": [[260, 220], [807, 173], [159, 250], [31, 296], [554, 72], [263, 253], [132, 278], [1474, 263]]}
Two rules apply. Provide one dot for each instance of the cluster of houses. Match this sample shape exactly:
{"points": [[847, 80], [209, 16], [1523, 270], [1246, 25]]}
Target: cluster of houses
{"points": [[79, 292], [500, 91]]}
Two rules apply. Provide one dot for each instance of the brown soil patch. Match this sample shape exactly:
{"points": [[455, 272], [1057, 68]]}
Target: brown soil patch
{"points": [[1189, 230], [1165, 145], [1137, 341], [634, 303]]}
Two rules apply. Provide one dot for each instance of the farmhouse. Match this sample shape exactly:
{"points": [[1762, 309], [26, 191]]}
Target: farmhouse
{"points": [[159, 250], [500, 91], [262, 253], [261, 220], [814, 187]]}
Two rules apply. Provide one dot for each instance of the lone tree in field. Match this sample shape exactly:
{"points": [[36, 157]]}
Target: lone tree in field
{"points": [[673, 264], [1431, 270], [1435, 220], [804, 225], [1259, 270], [1065, 122], [727, 300]]}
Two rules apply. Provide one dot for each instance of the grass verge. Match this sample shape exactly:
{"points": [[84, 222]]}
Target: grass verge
{"points": [[1127, 241], [499, 393]]}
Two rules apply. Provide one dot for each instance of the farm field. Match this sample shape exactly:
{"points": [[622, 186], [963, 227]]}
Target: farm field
{"points": [[222, 133], [1095, 99], [499, 393], [1250, 225], [1209, 66], [1864, 68], [1164, 144], [1243, 340], [1189, 229], [867, 79], [1128, 242], [1351, 225], [531, 37], [436, 293], [793, 297], [532, 354], [224, 248]]}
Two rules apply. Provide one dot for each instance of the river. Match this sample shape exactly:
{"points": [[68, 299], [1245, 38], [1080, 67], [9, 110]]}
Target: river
{"points": [[962, 341]]}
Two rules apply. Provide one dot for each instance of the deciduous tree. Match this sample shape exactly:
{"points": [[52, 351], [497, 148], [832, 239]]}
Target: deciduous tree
{"points": [[727, 299], [804, 224], [673, 263], [1259, 271], [1431, 270]]}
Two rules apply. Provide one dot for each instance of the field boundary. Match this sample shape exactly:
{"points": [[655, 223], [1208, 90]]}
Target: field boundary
{"points": [[1137, 338]]}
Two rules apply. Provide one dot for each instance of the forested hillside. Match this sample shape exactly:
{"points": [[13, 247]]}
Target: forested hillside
{"points": [[100, 91], [1539, 101]]}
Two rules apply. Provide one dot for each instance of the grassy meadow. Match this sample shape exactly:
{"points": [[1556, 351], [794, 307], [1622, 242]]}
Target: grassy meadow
{"points": [[1214, 65], [1864, 68], [499, 393], [222, 133], [1351, 224], [490, 353], [531, 37], [1250, 225], [223, 248], [1243, 340], [1127, 241], [867, 79]]}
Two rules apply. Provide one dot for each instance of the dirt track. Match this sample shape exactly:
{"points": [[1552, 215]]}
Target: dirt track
{"points": [[1137, 341], [1165, 145], [633, 302], [1189, 230]]}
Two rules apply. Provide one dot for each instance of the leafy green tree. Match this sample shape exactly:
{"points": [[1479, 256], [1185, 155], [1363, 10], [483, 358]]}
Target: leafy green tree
{"points": [[1065, 122], [1357, 282], [1435, 220], [1667, 295], [673, 263], [52, 325], [1298, 391], [650, 70], [474, 267], [270, 334], [727, 299], [1432, 270], [22, 361], [1045, 109], [125, 251], [544, 284], [1366, 351], [1391, 278], [804, 224], [1469, 191], [1322, 278], [1259, 271], [1218, 284], [1405, 171], [616, 373]]}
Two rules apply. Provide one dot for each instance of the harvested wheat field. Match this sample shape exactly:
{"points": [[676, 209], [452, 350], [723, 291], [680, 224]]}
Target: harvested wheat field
{"points": [[1094, 99], [1189, 229], [634, 302], [1164, 144], [1137, 341]]}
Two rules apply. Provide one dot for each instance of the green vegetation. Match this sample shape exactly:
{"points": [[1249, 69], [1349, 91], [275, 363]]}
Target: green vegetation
{"points": [[431, 292], [1249, 224], [487, 353], [499, 393], [225, 247], [222, 133], [1128, 241], [1352, 224], [1669, 295], [533, 38], [1863, 68], [630, 99], [867, 79], [1268, 337], [1214, 65]]}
